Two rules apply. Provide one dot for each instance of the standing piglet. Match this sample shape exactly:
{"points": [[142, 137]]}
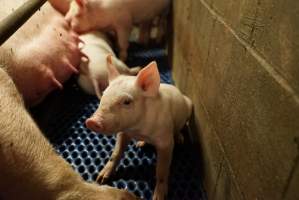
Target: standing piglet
{"points": [[114, 15], [93, 77], [141, 108]]}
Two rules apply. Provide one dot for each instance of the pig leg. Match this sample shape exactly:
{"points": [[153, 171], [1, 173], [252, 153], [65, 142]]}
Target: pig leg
{"points": [[122, 141], [145, 29], [123, 33], [97, 88], [164, 154], [179, 138]]}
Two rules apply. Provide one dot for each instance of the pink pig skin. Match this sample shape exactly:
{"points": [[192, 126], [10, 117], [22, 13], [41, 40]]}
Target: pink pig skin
{"points": [[41, 55], [93, 77], [61, 5], [114, 15], [141, 108], [45, 62]]}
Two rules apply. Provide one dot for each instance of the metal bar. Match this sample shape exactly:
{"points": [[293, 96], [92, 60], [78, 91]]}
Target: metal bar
{"points": [[15, 20]]}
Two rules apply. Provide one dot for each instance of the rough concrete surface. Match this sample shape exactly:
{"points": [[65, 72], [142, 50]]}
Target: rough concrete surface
{"points": [[238, 61]]}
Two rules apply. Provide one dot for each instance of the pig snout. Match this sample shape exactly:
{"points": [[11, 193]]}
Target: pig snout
{"points": [[99, 124], [78, 25], [95, 124], [74, 25]]}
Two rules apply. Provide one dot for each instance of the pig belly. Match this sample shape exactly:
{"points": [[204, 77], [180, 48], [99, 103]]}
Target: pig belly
{"points": [[54, 59], [146, 10]]}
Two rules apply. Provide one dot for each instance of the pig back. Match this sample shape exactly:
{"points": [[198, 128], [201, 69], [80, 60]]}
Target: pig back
{"points": [[99, 39], [97, 48], [180, 105]]}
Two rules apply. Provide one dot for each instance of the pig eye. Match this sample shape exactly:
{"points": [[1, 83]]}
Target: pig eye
{"points": [[127, 102]]}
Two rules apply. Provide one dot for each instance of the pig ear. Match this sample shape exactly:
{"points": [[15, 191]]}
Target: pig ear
{"points": [[81, 7], [81, 3], [112, 71], [148, 79], [77, 8]]}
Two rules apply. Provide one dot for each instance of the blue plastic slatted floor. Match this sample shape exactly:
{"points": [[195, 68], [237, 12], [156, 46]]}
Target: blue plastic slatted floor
{"points": [[62, 118]]}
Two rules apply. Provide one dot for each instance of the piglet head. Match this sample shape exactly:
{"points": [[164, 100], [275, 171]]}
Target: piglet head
{"points": [[123, 103], [85, 15], [78, 16]]}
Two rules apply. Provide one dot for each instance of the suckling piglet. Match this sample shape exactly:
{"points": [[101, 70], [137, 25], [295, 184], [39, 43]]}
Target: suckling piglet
{"points": [[113, 15], [139, 107], [93, 77]]}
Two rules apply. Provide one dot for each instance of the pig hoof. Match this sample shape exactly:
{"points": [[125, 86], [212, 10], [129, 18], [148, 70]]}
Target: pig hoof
{"points": [[160, 192], [105, 173], [159, 195], [179, 139], [140, 144], [101, 179]]}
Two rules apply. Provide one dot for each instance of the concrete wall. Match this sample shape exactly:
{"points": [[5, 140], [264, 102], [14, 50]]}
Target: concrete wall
{"points": [[239, 62]]}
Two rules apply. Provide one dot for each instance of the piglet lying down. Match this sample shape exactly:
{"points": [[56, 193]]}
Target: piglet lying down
{"points": [[139, 107]]}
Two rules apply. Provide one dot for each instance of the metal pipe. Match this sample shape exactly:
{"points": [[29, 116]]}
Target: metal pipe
{"points": [[15, 20]]}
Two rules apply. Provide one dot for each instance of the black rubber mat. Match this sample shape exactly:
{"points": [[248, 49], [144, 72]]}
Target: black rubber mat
{"points": [[62, 118]]}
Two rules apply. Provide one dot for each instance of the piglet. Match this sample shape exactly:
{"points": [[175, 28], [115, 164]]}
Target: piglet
{"points": [[114, 15], [93, 77], [139, 107]]}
